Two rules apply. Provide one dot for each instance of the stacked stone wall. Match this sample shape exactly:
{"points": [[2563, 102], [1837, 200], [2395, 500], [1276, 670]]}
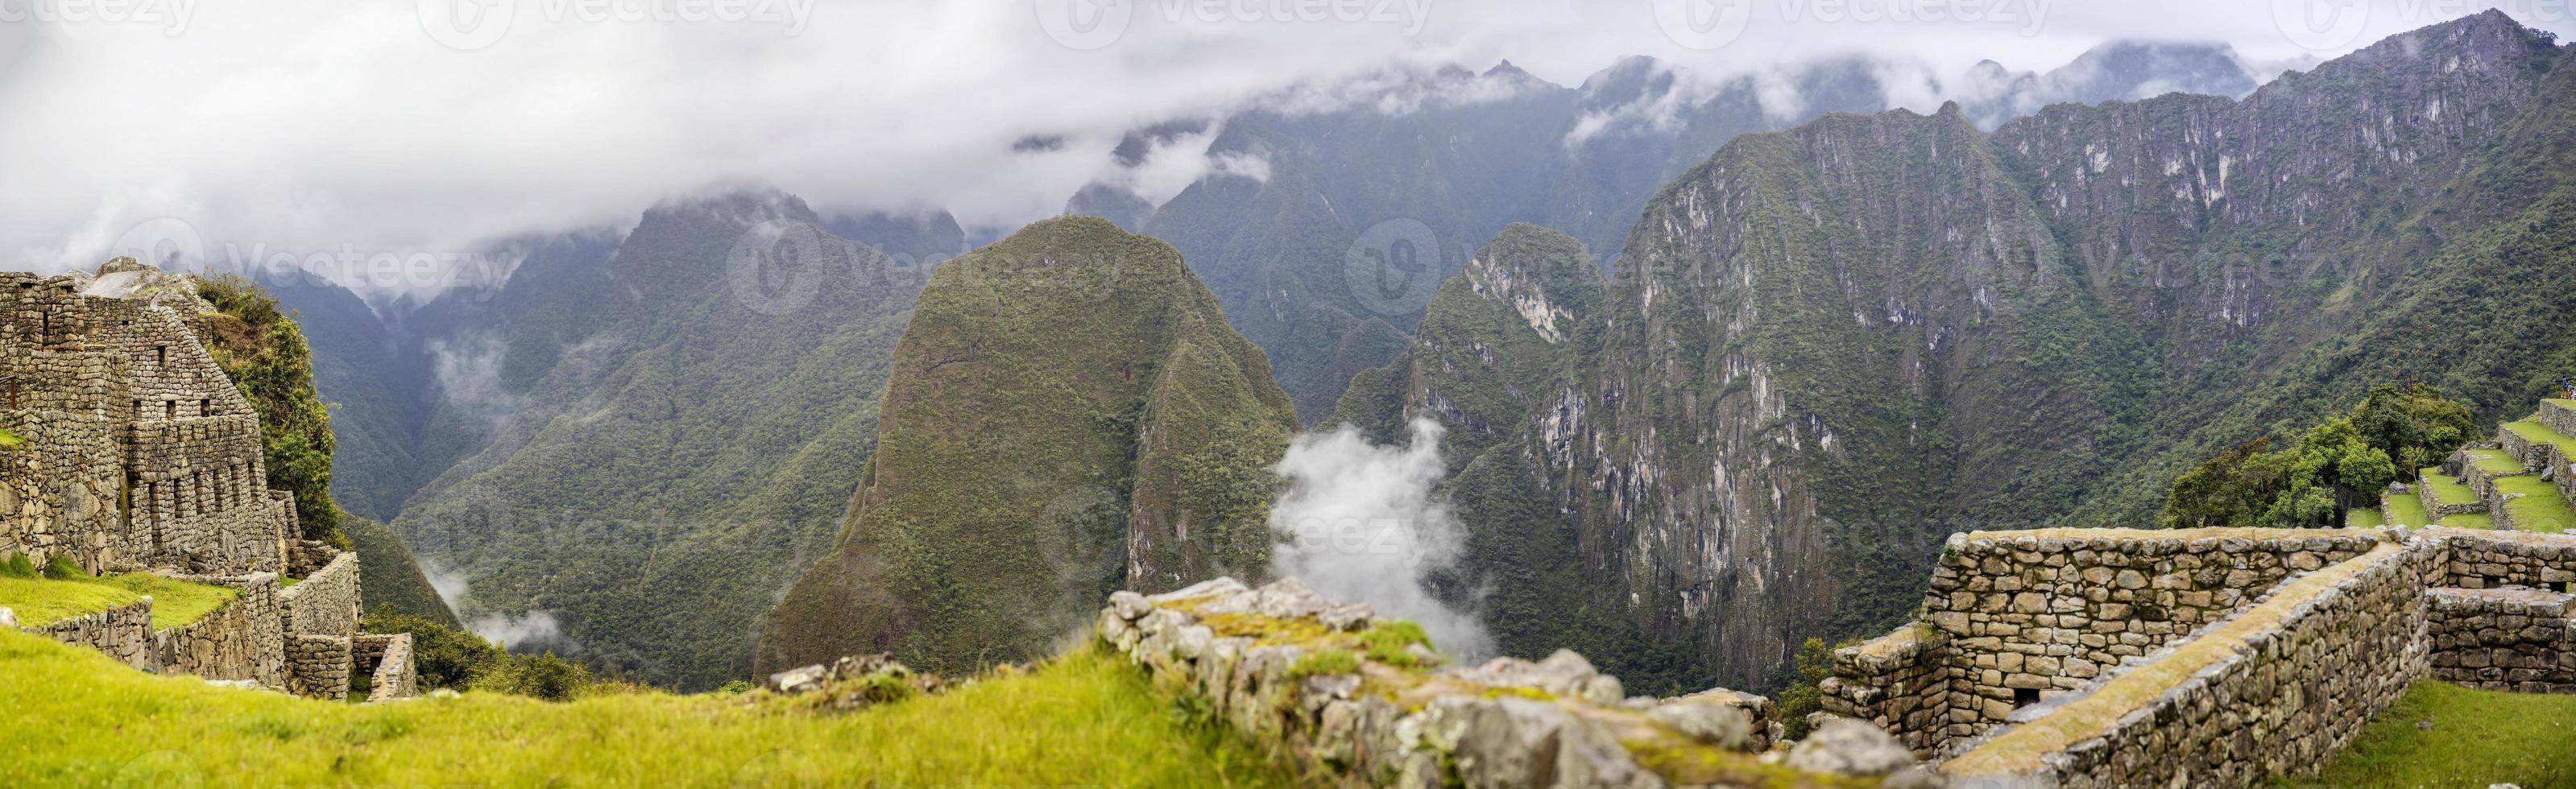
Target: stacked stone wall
{"points": [[172, 376], [61, 492], [124, 633], [1900, 682], [2277, 690], [318, 666], [1249, 656], [2489, 559], [2521, 640], [386, 660], [326, 602], [2049, 611], [200, 486], [244, 639]]}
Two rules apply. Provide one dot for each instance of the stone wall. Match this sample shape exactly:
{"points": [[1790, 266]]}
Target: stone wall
{"points": [[2276, 689], [386, 661], [244, 639], [2485, 559], [1900, 682], [317, 666], [199, 485], [2042, 612], [1285, 667], [124, 633], [2521, 640], [326, 602]]}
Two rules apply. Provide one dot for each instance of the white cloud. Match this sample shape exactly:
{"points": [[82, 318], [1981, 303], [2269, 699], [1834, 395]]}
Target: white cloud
{"points": [[322, 125]]}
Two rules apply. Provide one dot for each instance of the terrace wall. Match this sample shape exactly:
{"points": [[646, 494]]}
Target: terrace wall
{"points": [[2521, 640], [244, 639]]}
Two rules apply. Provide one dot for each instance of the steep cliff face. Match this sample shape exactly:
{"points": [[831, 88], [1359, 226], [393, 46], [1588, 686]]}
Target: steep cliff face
{"points": [[674, 431], [1068, 415], [1826, 348]]}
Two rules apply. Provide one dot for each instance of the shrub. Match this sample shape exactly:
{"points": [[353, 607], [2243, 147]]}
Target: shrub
{"points": [[1387, 640], [1805, 694], [17, 566], [538, 676], [62, 568]]}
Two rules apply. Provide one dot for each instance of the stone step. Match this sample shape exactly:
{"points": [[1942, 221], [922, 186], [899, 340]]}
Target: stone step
{"points": [[2479, 468], [2542, 448], [2528, 503], [2559, 414], [2444, 495]]}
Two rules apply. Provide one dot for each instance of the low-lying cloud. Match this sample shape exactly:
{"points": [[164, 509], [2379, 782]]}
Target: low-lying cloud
{"points": [[1366, 524], [532, 630]]}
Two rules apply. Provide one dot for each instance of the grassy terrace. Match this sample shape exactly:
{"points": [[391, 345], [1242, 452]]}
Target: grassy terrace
{"points": [[77, 718], [2494, 462], [2442, 490], [2017, 752], [39, 601], [2364, 518], [2478, 738], [2533, 431], [2540, 508], [2403, 509], [2475, 520]]}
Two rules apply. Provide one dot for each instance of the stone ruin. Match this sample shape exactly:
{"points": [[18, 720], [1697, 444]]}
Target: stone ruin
{"points": [[142, 456], [2200, 657], [1298, 673]]}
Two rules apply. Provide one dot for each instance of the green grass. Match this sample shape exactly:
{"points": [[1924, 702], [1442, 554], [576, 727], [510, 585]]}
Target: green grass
{"points": [[2533, 431], [2363, 518], [2474, 520], [77, 718], [2541, 507], [2404, 509], [174, 603], [40, 602], [2494, 462], [2445, 490], [2478, 738]]}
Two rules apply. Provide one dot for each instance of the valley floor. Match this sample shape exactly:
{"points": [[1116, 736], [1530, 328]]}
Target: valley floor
{"points": [[70, 716], [2476, 738]]}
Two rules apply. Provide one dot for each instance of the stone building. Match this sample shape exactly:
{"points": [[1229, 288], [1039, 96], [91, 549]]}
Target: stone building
{"points": [[140, 455]]}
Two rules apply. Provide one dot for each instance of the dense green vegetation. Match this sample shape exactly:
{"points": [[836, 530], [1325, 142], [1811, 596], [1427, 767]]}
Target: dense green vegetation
{"points": [[1804, 696], [1069, 415], [672, 436], [2344, 463], [2443, 735], [1087, 718], [264, 351], [448, 657]]}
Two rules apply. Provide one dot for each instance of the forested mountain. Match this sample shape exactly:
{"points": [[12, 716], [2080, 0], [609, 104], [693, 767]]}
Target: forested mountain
{"points": [[1826, 348], [1068, 416], [1327, 240]]}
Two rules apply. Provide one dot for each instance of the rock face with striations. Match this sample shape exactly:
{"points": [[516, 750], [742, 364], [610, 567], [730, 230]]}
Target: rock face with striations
{"points": [[1825, 348], [1069, 415]]}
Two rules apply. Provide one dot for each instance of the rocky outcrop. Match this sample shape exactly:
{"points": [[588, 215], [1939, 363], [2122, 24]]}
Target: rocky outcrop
{"points": [[1363, 701]]}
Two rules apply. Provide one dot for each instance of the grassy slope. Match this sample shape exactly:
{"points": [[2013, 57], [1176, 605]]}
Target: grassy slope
{"points": [[2478, 738], [174, 603], [1062, 403], [2541, 507], [78, 719]]}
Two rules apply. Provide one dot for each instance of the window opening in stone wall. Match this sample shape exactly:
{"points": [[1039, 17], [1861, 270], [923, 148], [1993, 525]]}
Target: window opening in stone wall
{"points": [[205, 406], [2561, 586], [160, 354], [169, 409], [2024, 697], [2495, 582]]}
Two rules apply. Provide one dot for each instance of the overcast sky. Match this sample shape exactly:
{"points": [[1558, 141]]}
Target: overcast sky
{"points": [[438, 125]]}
